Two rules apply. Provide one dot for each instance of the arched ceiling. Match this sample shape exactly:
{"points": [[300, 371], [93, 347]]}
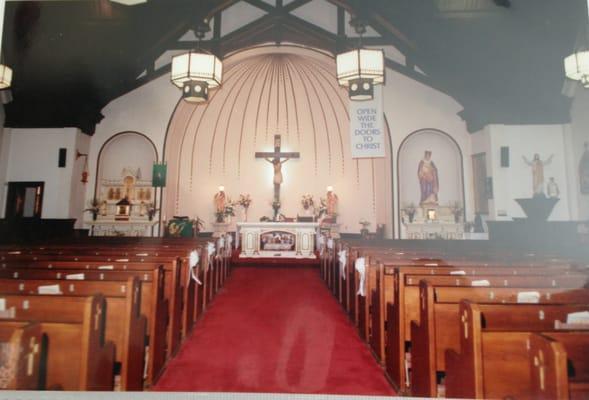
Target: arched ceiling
{"points": [[503, 64]]}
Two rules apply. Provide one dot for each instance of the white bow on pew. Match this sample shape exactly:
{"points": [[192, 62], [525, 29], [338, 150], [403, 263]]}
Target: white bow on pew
{"points": [[343, 260], [192, 263], [210, 252], [330, 244], [361, 268], [321, 244]]}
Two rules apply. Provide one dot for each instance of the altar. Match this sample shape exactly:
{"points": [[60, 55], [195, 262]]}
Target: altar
{"points": [[277, 239]]}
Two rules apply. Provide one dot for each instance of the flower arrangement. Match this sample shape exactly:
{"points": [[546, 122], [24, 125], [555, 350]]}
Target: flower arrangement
{"points": [[229, 210], [94, 208], [151, 210], [322, 208], [410, 211], [307, 201], [456, 209], [244, 201], [365, 224]]}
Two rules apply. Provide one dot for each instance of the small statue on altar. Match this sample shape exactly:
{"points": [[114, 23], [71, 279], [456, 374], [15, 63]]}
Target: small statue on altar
{"points": [[220, 200], [332, 201], [538, 173]]}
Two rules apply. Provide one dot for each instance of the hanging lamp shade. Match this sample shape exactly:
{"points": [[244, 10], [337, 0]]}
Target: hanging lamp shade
{"points": [[129, 2], [5, 77], [576, 67], [360, 70], [195, 73]]}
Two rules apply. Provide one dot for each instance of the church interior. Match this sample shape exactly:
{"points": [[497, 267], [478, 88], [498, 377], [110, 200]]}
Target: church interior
{"points": [[277, 197]]}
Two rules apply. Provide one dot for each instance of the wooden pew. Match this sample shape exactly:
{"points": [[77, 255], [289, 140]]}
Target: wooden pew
{"points": [[78, 357], [494, 348], [437, 329], [21, 347], [559, 365], [125, 327], [405, 306], [153, 303]]}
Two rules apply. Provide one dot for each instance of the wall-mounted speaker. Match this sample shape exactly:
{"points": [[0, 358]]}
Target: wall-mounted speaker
{"points": [[62, 158], [504, 156]]}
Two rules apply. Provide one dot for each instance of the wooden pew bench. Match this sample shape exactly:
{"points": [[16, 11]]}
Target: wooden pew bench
{"points": [[78, 357], [437, 329], [21, 347], [405, 305], [493, 360], [125, 327], [153, 304], [559, 365]]}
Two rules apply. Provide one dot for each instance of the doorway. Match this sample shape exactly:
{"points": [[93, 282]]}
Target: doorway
{"points": [[25, 200]]}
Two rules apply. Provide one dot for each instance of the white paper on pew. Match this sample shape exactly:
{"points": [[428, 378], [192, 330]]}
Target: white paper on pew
{"points": [[2, 304], [122, 260], [193, 259], [431, 264], [343, 261], [528, 297], [142, 254], [78, 277], [106, 267], [457, 272], [581, 317], [49, 289], [360, 266], [480, 283], [14, 252]]}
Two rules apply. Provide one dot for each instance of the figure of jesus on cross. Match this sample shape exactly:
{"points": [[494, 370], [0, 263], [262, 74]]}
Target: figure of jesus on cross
{"points": [[277, 158]]}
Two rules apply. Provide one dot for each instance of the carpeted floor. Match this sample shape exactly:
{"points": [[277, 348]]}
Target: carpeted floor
{"points": [[275, 330]]}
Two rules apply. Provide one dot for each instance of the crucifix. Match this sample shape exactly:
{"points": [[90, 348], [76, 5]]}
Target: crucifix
{"points": [[277, 158]]}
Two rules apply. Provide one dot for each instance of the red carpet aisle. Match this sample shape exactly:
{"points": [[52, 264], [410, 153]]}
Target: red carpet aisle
{"points": [[275, 330]]}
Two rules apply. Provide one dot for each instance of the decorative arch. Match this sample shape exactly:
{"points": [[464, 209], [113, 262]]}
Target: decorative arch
{"points": [[450, 167], [140, 139], [289, 90]]}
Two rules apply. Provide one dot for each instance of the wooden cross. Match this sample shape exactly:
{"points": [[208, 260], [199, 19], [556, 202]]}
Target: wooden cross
{"points": [[277, 158]]}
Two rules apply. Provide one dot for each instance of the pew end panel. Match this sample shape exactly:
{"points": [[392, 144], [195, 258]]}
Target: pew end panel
{"points": [[22, 356]]}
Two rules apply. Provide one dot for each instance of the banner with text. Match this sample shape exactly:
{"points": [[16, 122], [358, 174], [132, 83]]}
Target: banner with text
{"points": [[367, 127]]}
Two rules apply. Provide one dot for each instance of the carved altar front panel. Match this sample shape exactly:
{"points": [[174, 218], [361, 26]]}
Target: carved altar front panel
{"points": [[277, 240]]}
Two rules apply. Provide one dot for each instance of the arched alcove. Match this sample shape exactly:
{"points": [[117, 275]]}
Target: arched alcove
{"points": [[446, 157], [287, 90], [125, 159]]}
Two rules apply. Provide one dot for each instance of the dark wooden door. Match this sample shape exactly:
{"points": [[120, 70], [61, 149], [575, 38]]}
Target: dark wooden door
{"points": [[25, 200]]}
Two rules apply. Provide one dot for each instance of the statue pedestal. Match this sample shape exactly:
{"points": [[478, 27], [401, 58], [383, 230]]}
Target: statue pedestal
{"points": [[220, 228], [538, 208]]}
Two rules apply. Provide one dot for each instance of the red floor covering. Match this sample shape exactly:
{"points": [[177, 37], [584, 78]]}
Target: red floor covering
{"points": [[275, 330]]}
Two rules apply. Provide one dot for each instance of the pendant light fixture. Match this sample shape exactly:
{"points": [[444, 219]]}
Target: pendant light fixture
{"points": [[360, 69], [576, 66], [197, 71]]}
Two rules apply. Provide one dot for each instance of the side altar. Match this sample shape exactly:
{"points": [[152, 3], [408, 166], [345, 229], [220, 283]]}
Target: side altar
{"points": [[277, 239]]}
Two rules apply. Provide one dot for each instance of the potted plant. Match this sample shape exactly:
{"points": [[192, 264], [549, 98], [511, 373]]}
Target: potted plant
{"points": [[94, 208], [410, 211], [456, 211], [364, 231], [307, 202]]}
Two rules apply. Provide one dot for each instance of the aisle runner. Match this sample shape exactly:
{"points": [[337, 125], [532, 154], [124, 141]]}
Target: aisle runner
{"points": [[275, 330]]}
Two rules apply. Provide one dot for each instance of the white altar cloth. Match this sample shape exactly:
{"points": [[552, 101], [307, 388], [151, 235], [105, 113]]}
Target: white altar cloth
{"points": [[277, 239]]}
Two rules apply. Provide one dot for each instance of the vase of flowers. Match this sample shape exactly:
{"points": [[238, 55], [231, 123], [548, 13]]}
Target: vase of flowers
{"points": [[151, 210], [410, 211], [364, 231], [457, 211], [93, 208], [308, 203], [244, 201]]}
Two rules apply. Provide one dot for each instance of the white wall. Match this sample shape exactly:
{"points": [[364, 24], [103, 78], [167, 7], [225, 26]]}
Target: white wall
{"points": [[578, 135], [515, 181], [4, 151], [33, 156]]}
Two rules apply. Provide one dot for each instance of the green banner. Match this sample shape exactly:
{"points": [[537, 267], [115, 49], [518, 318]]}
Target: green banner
{"points": [[159, 175]]}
